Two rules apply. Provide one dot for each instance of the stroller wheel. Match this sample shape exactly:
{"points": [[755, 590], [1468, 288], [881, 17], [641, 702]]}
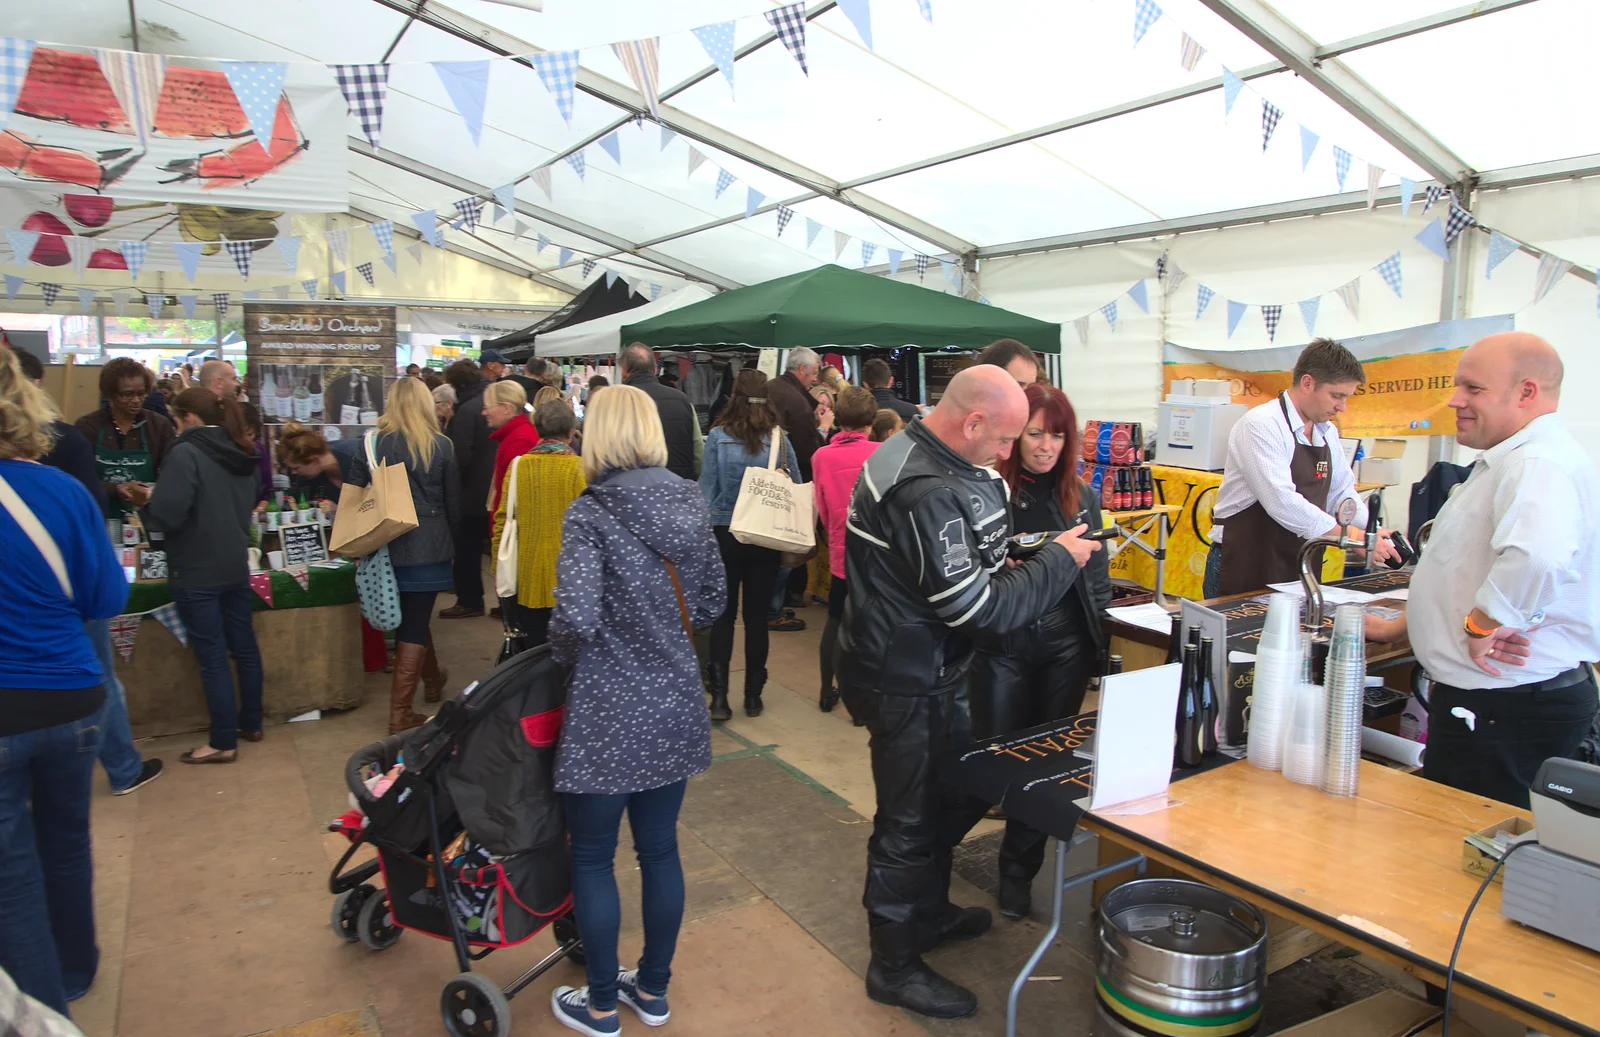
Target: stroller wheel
{"points": [[346, 906], [375, 924], [474, 1007], [565, 930]]}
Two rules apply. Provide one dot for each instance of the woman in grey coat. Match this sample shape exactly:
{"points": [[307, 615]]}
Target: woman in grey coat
{"points": [[408, 434], [638, 567]]}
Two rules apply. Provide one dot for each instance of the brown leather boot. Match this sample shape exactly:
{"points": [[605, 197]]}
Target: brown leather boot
{"points": [[407, 668], [434, 676]]}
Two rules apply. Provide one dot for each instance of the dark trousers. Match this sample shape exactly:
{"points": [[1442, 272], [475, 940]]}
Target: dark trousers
{"points": [[592, 823], [838, 594], [470, 534], [1513, 732], [533, 624], [416, 613], [920, 816], [219, 625], [755, 569], [1040, 674], [46, 874]]}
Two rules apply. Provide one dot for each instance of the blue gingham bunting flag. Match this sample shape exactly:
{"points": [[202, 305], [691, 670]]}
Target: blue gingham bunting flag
{"points": [[1235, 315], [241, 251], [1203, 297], [219, 300], [790, 25], [133, 253], [925, 8], [1231, 85], [1350, 295], [540, 243], [188, 302], [895, 258], [257, 85], [813, 228], [1460, 219], [339, 244], [13, 285], [290, 249], [22, 243], [188, 253], [718, 42], [1109, 312], [1308, 314], [15, 56], [167, 616], [336, 282], [154, 300], [724, 181], [868, 250], [752, 201], [563, 256], [469, 212], [655, 292], [383, 234], [1389, 270], [558, 71], [1500, 247], [588, 268], [51, 292], [309, 286], [1308, 146], [860, 14], [86, 297], [365, 270], [1341, 166], [576, 161], [1432, 238], [467, 83], [1551, 270], [639, 57], [1270, 315], [785, 214], [666, 137], [1140, 294], [611, 144], [427, 223], [1145, 14], [1430, 196], [922, 266], [1270, 114], [505, 201], [1408, 191], [364, 87]]}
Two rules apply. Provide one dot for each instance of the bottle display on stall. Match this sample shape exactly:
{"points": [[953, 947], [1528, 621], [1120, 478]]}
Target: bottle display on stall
{"points": [[369, 397], [1175, 645], [272, 512], [283, 401], [350, 411], [302, 394], [1108, 493], [1113, 665], [1210, 713], [314, 394], [1190, 739], [1137, 446], [269, 392]]}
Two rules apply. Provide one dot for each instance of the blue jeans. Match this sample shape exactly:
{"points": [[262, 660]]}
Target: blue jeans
{"points": [[218, 619], [1213, 577], [122, 761], [592, 822], [780, 593], [46, 875]]}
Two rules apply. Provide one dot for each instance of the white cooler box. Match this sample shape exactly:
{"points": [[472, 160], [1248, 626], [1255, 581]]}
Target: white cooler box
{"points": [[1195, 435]]}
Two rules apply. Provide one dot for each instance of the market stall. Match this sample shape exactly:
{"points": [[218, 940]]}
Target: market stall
{"points": [[602, 336], [603, 296]]}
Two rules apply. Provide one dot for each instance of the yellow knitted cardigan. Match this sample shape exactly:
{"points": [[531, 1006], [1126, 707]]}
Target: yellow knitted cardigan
{"points": [[546, 484]]}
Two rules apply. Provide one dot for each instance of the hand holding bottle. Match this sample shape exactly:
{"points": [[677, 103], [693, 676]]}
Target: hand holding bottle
{"points": [[1079, 548]]}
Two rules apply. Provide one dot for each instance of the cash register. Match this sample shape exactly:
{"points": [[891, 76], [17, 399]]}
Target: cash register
{"points": [[1554, 886]]}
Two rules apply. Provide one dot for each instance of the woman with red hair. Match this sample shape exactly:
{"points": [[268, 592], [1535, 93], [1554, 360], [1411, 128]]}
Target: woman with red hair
{"points": [[1040, 672]]}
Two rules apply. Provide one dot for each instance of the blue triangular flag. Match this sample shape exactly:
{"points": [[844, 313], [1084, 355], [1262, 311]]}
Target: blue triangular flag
{"points": [[1389, 270], [1139, 294], [895, 256], [1308, 313], [1500, 247], [257, 85], [188, 302], [1408, 191], [611, 144], [467, 83], [718, 42], [666, 137], [15, 55], [564, 256], [309, 287], [558, 71], [427, 222], [1308, 146], [1109, 311], [188, 255], [655, 292], [813, 228], [13, 286], [1231, 85], [724, 181], [578, 163], [611, 277], [1235, 314], [752, 201], [540, 244], [505, 200], [868, 250], [1203, 296], [860, 14], [1432, 238], [22, 243], [389, 261], [336, 283], [290, 247]]}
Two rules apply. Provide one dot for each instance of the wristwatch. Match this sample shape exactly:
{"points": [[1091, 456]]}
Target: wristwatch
{"points": [[1474, 631]]}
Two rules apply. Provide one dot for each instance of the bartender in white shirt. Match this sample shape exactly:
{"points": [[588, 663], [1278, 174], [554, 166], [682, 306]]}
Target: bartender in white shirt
{"points": [[1504, 609], [1286, 474]]}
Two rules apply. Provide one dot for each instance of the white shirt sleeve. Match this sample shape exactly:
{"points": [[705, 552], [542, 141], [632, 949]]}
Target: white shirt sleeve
{"points": [[1341, 480], [1265, 453], [1537, 534]]}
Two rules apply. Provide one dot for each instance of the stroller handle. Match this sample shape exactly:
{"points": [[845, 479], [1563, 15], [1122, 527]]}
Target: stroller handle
{"points": [[378, 754]]}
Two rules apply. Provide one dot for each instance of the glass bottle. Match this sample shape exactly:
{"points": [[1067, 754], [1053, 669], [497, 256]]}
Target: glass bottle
{"points": [[302, 395], [314, 394], [1210, 713], [369, 405], [1190, 739]]}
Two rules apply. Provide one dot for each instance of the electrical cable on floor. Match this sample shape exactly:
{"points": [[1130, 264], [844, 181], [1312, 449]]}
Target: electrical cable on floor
{"points": [[1450, 973]]}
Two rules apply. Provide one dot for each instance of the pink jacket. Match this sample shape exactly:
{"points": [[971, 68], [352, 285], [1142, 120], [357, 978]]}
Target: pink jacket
{"points": [[834, 469]]}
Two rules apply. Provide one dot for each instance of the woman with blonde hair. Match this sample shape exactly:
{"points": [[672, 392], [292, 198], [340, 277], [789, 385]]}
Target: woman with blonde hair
{"points": [[506, 408], [408, 434], [546, 394], [638, 568]]}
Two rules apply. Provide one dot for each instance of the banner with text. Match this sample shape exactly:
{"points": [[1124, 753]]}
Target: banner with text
{"points": [[1410, 375]]}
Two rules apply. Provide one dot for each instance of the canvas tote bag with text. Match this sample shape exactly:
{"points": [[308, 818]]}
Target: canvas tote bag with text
{"points": [[773, 510], [372, 515]]}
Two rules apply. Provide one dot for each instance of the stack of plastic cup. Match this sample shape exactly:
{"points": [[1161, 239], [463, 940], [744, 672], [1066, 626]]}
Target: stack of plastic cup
{"points": [[1278, 669], [1302, 746], [1345, 682]]}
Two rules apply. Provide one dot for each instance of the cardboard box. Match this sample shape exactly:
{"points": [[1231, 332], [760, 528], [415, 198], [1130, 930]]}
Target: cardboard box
{"points": [[1477, 863], [1382, 470], [1388, 1014], [1215, 388], [1182, 386], [1387, 448]]}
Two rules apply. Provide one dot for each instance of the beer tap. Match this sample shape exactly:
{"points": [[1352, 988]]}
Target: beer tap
{"points": [[1311, 580]]}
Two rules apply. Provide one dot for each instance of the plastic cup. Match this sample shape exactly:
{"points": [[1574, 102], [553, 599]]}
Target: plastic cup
{"points": [[275, 559]]}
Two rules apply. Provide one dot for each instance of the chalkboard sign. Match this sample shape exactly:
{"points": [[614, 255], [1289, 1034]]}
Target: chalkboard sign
{"points": [[303, 544], [152, 564]]}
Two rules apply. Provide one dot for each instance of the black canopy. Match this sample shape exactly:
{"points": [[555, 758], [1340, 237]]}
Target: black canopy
{"points": [[597, 300]]}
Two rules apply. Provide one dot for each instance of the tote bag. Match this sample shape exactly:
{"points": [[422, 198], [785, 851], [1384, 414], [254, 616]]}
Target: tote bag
{"points": [[372, 515], [505, 564], [773, 510], [378, 591]]}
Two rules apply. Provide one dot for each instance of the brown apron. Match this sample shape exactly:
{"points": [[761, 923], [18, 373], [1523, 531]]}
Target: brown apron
{"points": [[1256, 550]]}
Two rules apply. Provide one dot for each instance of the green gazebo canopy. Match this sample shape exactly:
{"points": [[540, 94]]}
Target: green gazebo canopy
{"points": [[832, 306]]}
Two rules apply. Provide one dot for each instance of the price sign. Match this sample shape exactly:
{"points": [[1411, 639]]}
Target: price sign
{"points": [[303, 544], [152, 564]]}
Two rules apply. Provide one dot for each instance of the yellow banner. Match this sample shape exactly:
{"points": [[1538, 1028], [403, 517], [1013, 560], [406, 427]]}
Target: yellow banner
{"points": [[1402, 396]]}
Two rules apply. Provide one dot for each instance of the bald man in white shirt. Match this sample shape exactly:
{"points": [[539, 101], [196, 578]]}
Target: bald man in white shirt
{"points": [[1504, 609]]}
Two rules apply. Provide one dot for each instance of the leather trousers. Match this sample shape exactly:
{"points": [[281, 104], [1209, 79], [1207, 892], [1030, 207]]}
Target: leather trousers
{"points": [[1035, 675], [920, 817]]}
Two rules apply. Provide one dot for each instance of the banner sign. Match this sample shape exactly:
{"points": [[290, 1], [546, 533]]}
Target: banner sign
{"points": [[1410, 375], [483, 323]]}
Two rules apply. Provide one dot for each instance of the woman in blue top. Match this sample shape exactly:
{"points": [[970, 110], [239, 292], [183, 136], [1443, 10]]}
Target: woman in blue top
{"points": [[741, 438], [59, 572]]}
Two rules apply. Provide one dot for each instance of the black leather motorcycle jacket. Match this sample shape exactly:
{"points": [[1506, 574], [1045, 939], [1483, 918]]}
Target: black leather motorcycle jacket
{"points": [[925, 553]]}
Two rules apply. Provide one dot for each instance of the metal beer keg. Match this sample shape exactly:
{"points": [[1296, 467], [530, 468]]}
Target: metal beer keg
{"points": [[1179, 959]]}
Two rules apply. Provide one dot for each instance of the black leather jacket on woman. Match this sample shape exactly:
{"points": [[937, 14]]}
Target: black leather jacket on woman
{"points": [[1035, 508], [925, 551]]}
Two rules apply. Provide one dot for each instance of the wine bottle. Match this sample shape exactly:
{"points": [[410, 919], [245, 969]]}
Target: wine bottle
{"points": [[302, 394], [1113, 665], [1175, 645], [1190, 739], [369, 397], [315, 398], [1210, 713]]}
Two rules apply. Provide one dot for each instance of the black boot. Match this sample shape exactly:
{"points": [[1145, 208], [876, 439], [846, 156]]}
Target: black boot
{"points": [[754, 681], [957, 923], [1015, 896], [717, 683], [898, 976]]}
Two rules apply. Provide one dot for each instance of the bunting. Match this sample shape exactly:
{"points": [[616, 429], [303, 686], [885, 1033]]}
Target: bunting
{"points": [[290, 249], [467, 83], [1460, 219], [14, 285], [336, 282], [1145, 14], [1431, 195], [133, 253], [1374, 178], [519, 229], [895, 258], [542, 177], [1140, 295], [1308, 146], [188, 302], [868, 250], [310, 287], [813, 228], [1235, 314], [135, 78], [611, 144], [86, 299], [427, 223], [219, 301], [279, 290], [860, 14], [1308, 314], [1203, 298], [724, 181], [752, 201], [588, 268], [718, 43], [261, 583], [1270, 114], [790, 25], [154, 301], [540, 243], [563, 256], [241, 253], [639, 58], [666, 137], [558, 71], [364, 88], [79, 249], [1081, 326], [1109, 312], [339, 243], [840, 240], [254, 294], [383, 234], [1231, 85], [22, 243], [469, 211], [1432, 238], [124, 633], [390, 262], [1341, 166], [785, 214], [414, 250], [925, 8], [188, 253], [51, 292], [577, 162], [120, 300], [922, 266], [1551, 270], [258, 85], [505, 201], [655, 292], [1408, 191], [611, 278], [1389, 270], [696, 160], [167, 616], [1191, 53], [1176, 275], [1500, 247], [1270, 315], [365, 270]]}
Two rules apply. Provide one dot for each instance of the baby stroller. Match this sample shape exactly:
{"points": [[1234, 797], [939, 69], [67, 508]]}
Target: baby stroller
{"points": [[470, 836]]}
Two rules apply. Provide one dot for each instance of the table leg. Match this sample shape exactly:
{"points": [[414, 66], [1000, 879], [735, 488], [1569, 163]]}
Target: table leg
{"points": [[1062, 884], [1161, 561]]}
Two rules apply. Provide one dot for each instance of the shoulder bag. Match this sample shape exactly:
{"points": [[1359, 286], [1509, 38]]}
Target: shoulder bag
{"points": [[372, 515], [505, 564], [23, 515]]}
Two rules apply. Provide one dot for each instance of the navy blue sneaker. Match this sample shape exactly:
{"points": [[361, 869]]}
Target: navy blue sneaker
{"points": [[652, 1011], [571, 1008]]}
